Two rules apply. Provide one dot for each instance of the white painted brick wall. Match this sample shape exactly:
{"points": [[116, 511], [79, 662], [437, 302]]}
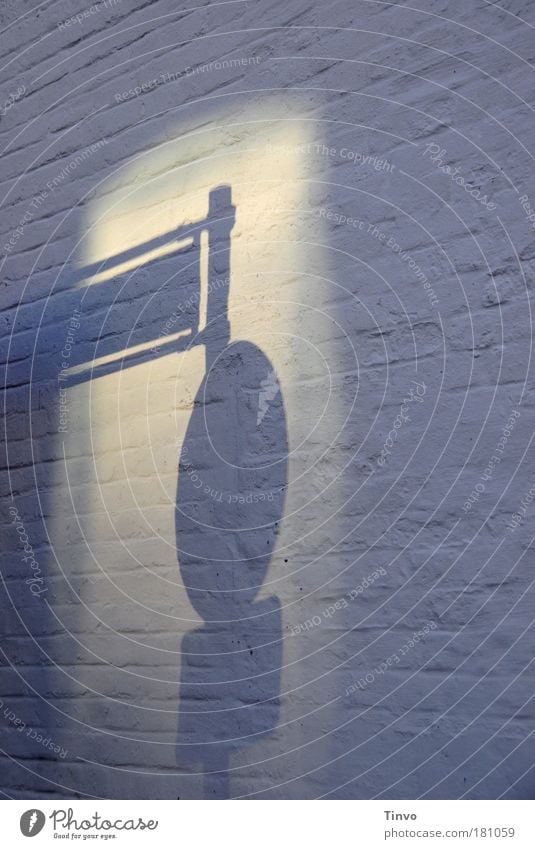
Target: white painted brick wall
{"points": [[95, 663]]}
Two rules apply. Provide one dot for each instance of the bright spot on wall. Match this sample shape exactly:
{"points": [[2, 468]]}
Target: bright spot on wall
{"points": [[126, 449]]}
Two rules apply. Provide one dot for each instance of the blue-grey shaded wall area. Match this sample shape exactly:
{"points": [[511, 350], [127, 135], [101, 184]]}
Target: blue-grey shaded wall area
{"points": [[267, 492]]}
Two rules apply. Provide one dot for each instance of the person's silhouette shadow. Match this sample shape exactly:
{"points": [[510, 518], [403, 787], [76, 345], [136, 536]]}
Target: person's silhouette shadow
{"points": [[232, 480]]}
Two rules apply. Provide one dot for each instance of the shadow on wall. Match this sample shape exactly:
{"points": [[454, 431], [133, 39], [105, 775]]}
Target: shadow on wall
{"points": [[232, 480], [100, 494]]}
